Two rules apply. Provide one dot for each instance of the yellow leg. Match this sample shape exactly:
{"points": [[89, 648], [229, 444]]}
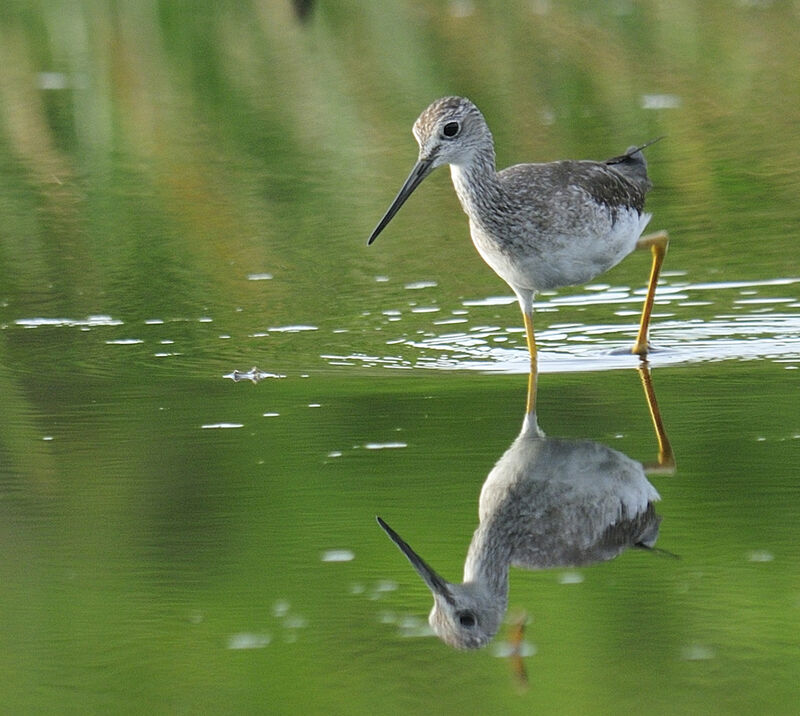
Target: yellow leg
{"points": [[666, 458], [530, 406], [516, 642], [657, 243]]}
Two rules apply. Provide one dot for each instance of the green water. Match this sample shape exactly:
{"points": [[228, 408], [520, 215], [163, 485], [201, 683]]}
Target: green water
{"points": [[186, 190]]}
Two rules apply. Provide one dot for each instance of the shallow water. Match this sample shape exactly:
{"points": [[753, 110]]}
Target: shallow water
{"points": [[212, 386]]}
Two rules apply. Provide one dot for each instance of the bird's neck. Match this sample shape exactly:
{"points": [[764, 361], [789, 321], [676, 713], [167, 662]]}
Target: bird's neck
{"points": [[487, 562], [476, 183]]}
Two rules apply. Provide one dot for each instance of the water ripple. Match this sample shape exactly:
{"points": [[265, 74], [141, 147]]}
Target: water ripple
{"points": [[754, 324]]}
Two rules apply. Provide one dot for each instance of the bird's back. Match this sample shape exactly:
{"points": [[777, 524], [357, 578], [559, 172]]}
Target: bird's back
{"points": [[616, 184], [562, 223]]}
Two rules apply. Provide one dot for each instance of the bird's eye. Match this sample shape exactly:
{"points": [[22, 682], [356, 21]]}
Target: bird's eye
{"points": [[451, 129], [466, 619]]}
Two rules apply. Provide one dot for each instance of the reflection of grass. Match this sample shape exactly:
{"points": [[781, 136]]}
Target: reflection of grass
{"points": [[164, 540]]}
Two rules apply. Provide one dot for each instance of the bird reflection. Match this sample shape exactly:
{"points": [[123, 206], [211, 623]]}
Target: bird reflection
{"points": [[548, 502]]}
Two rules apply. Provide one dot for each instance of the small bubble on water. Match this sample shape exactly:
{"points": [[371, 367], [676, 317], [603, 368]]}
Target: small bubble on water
{"points": [[295, 622], [247, 640], [338, 555], [570, 578], [697, 652], [280, 608], [760, 555]]}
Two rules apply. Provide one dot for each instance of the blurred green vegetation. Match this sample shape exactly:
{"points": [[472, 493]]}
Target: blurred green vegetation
{"points": [[179, 138]]}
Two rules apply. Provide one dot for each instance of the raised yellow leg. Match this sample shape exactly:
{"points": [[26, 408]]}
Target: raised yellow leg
{"points": [[666, 458], [530, 405], [657, 243], [516, 642]]}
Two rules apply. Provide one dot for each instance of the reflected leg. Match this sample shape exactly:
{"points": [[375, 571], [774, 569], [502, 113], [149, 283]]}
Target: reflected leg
{"points": [[657, 243], [516, 645], [530, 405], [666, 458]]}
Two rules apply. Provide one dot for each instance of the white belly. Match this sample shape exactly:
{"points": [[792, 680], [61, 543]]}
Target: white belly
{"points": [[554, 259]]}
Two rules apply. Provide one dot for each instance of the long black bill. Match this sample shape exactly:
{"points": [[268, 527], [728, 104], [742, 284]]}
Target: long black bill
{"points": [[633, 150], [421, 169], [435, 583]]}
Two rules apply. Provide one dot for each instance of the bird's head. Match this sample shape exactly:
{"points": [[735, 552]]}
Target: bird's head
{"points": [[450, 131], [464, 616]]}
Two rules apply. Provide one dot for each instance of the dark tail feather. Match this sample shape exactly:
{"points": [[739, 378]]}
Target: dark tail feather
{"points": [[633, 164], [656, 550], [630, 153]]}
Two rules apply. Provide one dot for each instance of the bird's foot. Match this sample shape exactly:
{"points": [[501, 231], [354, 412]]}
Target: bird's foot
{"points": [[641, 350]]}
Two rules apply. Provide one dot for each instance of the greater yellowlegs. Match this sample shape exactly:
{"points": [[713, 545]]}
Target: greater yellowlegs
{"points": [[548, 502], [539, 226]]}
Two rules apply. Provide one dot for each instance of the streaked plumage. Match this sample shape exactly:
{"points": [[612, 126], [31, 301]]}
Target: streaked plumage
{"points": [[547, 502], [539, 226]]}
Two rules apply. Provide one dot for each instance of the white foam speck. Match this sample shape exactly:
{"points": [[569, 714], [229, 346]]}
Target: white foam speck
{"points": [[89, 321], [570, 578], [660, 101], [697, 652], [291, 329], [338, 555], [385, 446], [760, 555], [246, 640], [280, 608], [259, 276]]}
